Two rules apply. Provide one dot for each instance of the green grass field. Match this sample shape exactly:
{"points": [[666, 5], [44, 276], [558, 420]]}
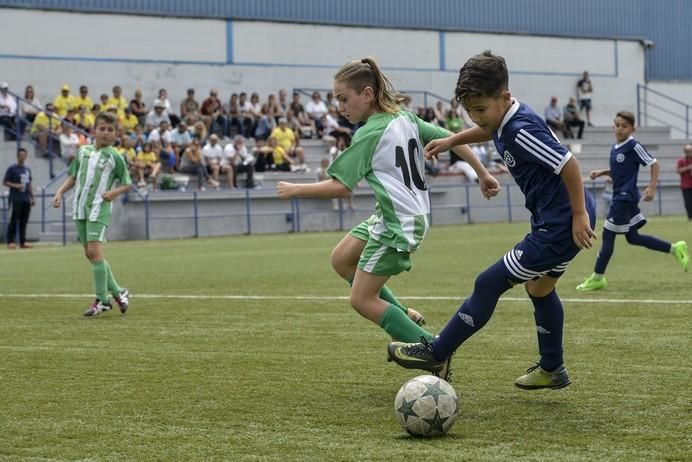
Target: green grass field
{"points": [[245, 349]]}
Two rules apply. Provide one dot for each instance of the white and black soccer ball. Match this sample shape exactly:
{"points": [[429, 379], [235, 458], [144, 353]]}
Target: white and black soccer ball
{"points": [[426, 406]]}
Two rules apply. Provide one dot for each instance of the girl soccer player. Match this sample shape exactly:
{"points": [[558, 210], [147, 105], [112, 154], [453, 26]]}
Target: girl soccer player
{"points": [[387, 151], [624, 216]]}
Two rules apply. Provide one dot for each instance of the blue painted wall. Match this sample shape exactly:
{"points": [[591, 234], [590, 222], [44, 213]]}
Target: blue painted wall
{"points": [[665, 22]]}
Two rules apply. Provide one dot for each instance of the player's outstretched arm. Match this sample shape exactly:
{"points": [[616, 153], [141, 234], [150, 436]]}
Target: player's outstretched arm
{"points": [[470, 136], [581, 227], [596, 173], [326, 189]]}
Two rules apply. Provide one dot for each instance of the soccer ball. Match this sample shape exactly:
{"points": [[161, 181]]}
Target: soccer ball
{"points": [[426, 406]]}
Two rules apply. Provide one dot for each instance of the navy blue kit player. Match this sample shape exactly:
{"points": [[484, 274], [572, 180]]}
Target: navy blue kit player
{"points": [[624, 216], [562, 221]]}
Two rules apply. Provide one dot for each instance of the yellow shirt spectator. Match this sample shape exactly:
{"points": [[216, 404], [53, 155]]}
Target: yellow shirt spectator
{"points": [[85, 101], [284, 137], [147, 158], [129, 122], [86, 121], [119, 103], [279, 155], [41, 122], [128, 153], [62, 103]]}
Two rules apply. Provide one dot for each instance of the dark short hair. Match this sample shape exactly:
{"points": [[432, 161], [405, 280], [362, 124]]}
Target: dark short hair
{"points": [[484, 75], [628, 116], [20, 150]]}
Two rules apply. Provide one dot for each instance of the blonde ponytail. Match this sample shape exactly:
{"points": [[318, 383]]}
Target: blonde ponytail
{"points": [[365, 73]]}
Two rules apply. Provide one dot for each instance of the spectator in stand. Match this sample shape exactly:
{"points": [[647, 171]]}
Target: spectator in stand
{"points": [[163, 133], [283, 100], [103, 101], [246, 112], [84, 119], [265, 125], [584, 92], [330, 100], [315, 109], [685, 171], [212, 113], [332, 127], [156, 116], [216, 160], [453, 122], [199, 132], [189, 107], [69, 143], [275, 111], [128, 120], [139, 107], [553, 117], [8, 111], [63, 101], [572, 118], [147, 165], [192, 162], [138, 138], [168, 156], [440, 114], [294, 124], [306, 123], [163, 100], [45, 130], [118, 101], [429, 116], [281, 161], [21, 199], [286, 138], [83, 99], [262, 153], [128, 152], [241, 161], [235, 123], [256, 106], [29, 109]]}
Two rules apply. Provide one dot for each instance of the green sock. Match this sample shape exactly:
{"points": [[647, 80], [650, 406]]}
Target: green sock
{"points": [[388, 296], [100, 279], [113, 286], [400, 327]]}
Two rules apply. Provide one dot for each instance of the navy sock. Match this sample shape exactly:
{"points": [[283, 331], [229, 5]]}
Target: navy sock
{"points": [[607, 245], [650, 242], [550, 318], [475, 312]]}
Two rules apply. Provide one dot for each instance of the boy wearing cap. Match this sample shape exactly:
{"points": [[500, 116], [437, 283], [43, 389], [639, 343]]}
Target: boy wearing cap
{"points": [[63, 101]]}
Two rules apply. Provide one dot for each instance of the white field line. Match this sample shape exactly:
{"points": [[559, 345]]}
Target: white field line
{"points": [[330, 297]]}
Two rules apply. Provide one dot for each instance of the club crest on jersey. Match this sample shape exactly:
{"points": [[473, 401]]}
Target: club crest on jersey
{"points": [[509, 160], [620, 158]]}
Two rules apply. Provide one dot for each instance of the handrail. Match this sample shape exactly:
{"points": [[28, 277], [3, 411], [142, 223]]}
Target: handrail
{"points": [[674, 111]]}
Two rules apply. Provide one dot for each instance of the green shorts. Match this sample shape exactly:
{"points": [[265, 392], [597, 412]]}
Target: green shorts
{"points": [[90, 231], [377, 258]]}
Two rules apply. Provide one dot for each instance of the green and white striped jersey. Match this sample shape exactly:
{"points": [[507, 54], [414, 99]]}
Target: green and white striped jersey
{"points": [[388, 153], [95, 171]]}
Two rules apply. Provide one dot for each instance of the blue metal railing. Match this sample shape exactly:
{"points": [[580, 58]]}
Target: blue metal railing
{"points": [[654, 106]]}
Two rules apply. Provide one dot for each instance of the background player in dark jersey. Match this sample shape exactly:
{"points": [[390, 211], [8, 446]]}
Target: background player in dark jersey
{"points": [[562, 219], [624, 216]]}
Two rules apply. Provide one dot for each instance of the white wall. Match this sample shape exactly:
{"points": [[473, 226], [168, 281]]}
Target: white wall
{"points": [[150, 53]]}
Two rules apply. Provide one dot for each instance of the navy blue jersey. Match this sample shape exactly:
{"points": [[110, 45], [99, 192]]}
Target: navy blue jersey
{"points": [[19, 174], [535, 158], [625, 159]]}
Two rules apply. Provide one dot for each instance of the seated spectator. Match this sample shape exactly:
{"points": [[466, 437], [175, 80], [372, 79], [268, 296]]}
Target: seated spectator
{"points": [[138, 138], [429, 116], [553, 117], [241, 160], [212, 113], [256, 106], [28, 109], [8, 111], [156, 116], [63, 101], [332, 127], [103, 101], [69, 143], [280, 160], [283, 101], [286, 138], [46, 130], [139, 107], [315, 109], [440, 113], [127, 151], [180, 138], [294, 124], [84, 119], [331, 100], [168, 156], [199, 132], [118, 101], [572, 118], [147, 165], [192, 162], [307, 125], [189, 107], [163, 133], [265, 125], [83, 99], [128, 120], [453, 122], [236, 123], [163, 100], [274, 109], [247, 112], [216, 160]]}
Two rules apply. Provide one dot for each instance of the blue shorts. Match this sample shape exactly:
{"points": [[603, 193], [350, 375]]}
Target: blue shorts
{"points": [[624, 216], [531, 258]]}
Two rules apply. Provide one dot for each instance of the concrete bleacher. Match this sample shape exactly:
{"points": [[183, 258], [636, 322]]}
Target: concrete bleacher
{"points": [[455, 200]]}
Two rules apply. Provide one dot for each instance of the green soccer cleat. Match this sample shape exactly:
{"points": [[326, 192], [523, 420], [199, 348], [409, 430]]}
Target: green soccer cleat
{"points": [[419, 356], [592, 283], [681, 255], [536, 378]]}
